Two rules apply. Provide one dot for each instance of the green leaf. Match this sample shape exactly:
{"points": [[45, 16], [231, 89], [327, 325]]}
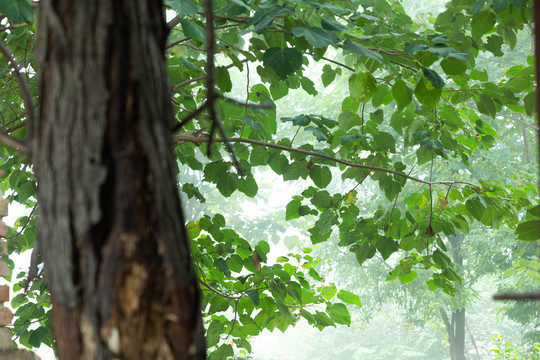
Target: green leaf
{"points": [[321, 176], [475, 9], [408, 277], [330, 24], [291, 210], [227, 184], [359, 49], [284, 61], [222, 266], [317, 37], [322, 199], [295, 170], [530, 103], [193, 29], [486, 106], [223, 79], [224, 351], [339, 313], [528, 230], [328, 75], [323, 319], [300, 120], [362, 86], [494, 45], [259, 156], [452, 66], [482, 23], [253, 123], [383, 142], [235, 263], [349, 298], [242, 4], [433, 77], [402, 94], [427, 94], [37, 336], [476, 207], [319, 135], [248, 186], [183, 7], [386, 246], [17, 11], [308, 86], [254, 296]]}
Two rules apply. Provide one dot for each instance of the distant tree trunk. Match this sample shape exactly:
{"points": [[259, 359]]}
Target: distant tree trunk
{"points": [[111, 229], [455, 326]]}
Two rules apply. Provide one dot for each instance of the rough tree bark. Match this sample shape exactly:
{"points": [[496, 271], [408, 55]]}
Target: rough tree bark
{"points": [[112, 233]]}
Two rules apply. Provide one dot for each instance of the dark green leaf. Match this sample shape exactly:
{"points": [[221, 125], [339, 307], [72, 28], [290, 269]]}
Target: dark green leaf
{"points": [[317, 37], [320, 175], [486, 106], [317, 132], [222, 266], [359, 49], [193, 29], [300, 120], [223, 79], [183, 7], [252, 122], [17, 11], [433, 77], [330, 24], [248, 186], [254, 296], [37, 336], [284, 61], [227, 184]]}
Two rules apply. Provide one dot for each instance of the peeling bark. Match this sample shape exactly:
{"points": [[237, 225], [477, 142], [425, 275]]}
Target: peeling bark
{"points": [[112, 233]]}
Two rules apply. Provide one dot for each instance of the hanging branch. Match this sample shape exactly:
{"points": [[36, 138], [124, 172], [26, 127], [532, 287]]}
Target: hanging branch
{"points": [[211, 94], [199, 137], [28, 103]]}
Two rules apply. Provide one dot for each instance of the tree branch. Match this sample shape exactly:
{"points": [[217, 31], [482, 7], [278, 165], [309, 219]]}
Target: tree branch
{"points": [[27, 98], [518, 296], [205, 137], [14, 143]]}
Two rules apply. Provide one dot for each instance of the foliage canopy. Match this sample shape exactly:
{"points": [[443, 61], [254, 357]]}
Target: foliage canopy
{"points": [[406, 104]]}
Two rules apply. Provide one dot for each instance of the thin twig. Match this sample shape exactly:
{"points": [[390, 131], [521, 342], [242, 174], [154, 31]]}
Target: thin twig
{"points": [[337, 63], [263, 105]]}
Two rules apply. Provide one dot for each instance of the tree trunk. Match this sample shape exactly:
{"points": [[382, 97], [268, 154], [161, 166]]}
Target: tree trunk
{"points": [[456, 327], [112, 233]]}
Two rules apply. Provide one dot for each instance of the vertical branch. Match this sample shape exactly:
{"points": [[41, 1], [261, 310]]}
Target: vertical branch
{"points": [[211, 93], [537, 57], [27, 98]]}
